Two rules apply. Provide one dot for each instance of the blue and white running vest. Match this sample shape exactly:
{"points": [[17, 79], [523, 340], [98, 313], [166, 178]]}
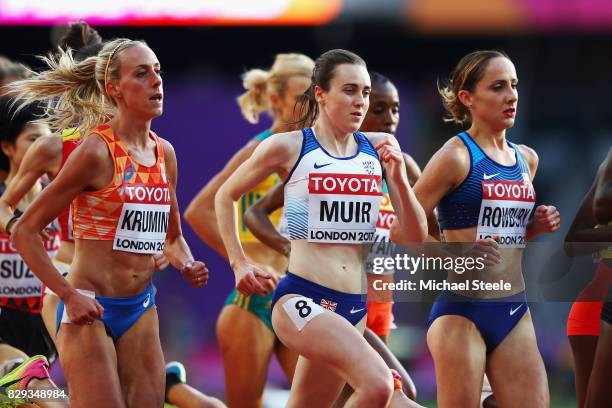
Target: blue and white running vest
{"points": [[495, 198], [333, 199]]}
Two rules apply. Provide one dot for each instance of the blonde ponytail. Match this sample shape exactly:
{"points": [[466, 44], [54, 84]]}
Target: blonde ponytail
{"points": [[255, 100], [74, 93], [261, 84]]}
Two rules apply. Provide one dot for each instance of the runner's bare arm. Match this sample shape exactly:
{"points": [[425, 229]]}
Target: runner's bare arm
{"points": [[91, 167], [43, 157], [447, 168], [408, 210], [200, 213], [414, 172], [273, 154], [175, 248], [257, 220], [412, 169]]}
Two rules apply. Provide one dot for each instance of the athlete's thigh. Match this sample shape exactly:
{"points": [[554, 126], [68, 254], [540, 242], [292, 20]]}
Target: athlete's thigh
{"points": [[287, 359], [314, 384], [329, 339], [246, 345], [459, 355], [599, 393], [89, 362], [140, 362], [516, 370], [583, 349]]}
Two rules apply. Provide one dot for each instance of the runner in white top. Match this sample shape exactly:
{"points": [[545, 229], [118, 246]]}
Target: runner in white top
{"points": [[344, 179]]}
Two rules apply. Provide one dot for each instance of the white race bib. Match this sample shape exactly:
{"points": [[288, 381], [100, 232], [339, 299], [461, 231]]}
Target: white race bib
{"points": [[16, 278], [505, 211], [301, 310], [144, 217], [343, 208]]}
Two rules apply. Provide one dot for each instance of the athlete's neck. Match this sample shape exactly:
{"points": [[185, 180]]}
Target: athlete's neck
{"points": [[334, 140], [131, 131], [486, 136], [279, 126]]}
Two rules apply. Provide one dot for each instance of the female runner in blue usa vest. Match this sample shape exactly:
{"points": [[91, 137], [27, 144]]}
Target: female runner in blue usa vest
{"points": [[481, 184], [333, 177]]}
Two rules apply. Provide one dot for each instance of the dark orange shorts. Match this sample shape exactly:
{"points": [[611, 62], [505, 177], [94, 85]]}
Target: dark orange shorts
{"points": [[380, 317], [584, 319]]}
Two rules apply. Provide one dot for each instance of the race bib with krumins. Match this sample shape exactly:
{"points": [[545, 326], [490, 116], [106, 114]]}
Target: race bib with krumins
{"points": [[144, 217]]}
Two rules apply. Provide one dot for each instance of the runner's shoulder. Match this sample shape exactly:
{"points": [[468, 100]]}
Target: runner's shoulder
{"points": [[453, 153], [282, 143], [47, 147], [530, 156], [377, 138]]}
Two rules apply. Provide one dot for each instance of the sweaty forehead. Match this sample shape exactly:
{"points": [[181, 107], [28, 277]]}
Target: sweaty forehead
{"points": [[138, 55], [350, 74], [500, 69]]}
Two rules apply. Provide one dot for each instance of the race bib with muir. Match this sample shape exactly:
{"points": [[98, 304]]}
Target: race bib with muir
{"points": [[16, 278], [343, 208], [505, 211], [143, 222]]}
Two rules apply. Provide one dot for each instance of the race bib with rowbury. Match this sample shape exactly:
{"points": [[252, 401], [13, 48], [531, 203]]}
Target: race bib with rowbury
{"points": [[343, 208], [143, 222], [505, 211], [16, 278]]}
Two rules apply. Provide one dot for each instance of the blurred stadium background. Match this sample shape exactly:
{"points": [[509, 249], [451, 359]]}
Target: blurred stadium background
{"points": [[561, 50]]}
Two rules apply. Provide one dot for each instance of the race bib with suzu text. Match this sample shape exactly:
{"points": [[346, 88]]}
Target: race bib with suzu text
{"points": [[16, 278]]}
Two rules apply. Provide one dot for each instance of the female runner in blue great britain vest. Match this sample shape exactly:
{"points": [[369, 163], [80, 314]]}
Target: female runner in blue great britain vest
{"points": [[481, 184], [382, 116], [244, 327], [332, 196]]}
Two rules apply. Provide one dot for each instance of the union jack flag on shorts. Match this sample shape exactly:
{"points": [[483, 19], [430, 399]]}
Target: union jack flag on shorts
{"points": [[329, 305]]}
